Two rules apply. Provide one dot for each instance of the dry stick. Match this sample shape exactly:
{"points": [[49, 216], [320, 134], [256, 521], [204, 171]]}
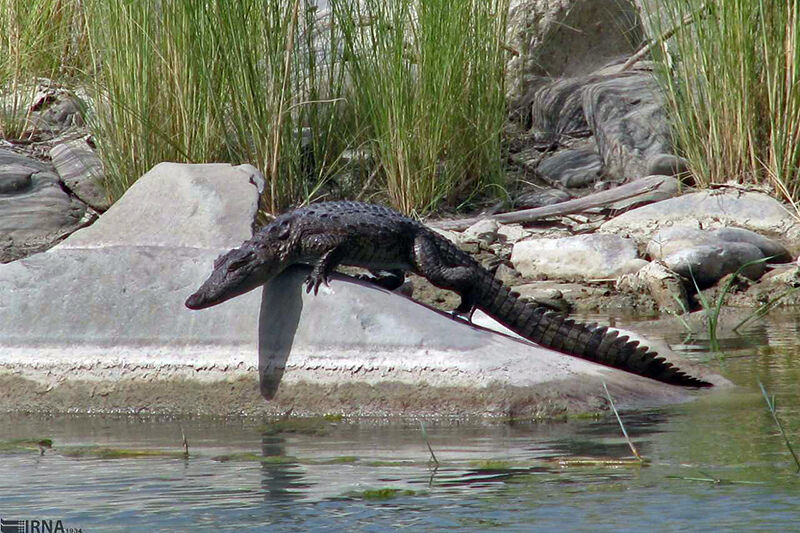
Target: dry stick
{"points": [[602, 198], [184, 442], [771, 407], [627, 438], [425, 436], [644, 50], [276, 144]]}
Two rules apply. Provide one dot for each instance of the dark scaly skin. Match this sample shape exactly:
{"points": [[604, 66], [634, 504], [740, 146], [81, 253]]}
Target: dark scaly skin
{"points": [[328, 234]]}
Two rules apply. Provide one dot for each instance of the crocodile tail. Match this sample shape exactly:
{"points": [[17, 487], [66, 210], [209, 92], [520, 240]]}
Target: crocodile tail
{"points": [[588, 341]]}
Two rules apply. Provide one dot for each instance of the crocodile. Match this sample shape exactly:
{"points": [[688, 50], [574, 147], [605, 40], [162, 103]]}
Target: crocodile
{"points": [[388, 243]]}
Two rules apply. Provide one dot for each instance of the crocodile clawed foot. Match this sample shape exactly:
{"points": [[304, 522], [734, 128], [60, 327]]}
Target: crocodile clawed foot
{"points": [[313, 282]]}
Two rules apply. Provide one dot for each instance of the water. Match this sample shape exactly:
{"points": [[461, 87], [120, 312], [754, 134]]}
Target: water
{"points": [[715, 464]]}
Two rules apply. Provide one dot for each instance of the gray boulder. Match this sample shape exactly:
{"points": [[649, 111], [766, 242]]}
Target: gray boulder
{"points": [[35, 211], [771, 249], [566, 38], [572, 167], [708, 263], [82, 172], [675, 238], [626, 115], [541, 198], [708, 209], [577, 257]]}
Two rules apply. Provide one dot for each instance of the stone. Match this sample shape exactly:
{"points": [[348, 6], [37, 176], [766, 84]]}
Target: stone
{"points": [[626, 115], [771, 249], [594, 256], [541, 198], [507, 275], [15, 178], [556, 107], [566, 38], [711, 209], [665, 286], [708, 263], [674, 238], [81, 172], [177, 206], [107, 303], [572, 167], [483, 231], [511, 233], [35, 212], [667, 165]]}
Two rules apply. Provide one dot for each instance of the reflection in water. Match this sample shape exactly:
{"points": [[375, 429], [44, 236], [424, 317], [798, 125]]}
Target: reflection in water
{"points": [[280, 481], [501, 476]]}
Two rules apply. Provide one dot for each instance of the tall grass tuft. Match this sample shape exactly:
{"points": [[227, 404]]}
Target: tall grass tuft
{"points": [[280, 77], [288, 88], [426, 89], [38, 39], [203, 81], [154, 97], [731, 73]]}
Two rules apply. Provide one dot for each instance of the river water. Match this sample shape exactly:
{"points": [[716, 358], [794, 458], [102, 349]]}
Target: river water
{"points": [[718, 463]]}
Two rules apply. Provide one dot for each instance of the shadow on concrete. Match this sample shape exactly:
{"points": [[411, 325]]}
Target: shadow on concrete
{"points": [[278, 318]]}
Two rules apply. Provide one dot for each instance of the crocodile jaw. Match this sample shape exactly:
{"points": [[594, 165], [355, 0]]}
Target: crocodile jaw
{"points": [[235, 273]]}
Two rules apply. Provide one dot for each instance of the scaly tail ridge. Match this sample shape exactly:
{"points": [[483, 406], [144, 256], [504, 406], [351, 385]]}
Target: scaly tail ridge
{"points": [[587, 341]]}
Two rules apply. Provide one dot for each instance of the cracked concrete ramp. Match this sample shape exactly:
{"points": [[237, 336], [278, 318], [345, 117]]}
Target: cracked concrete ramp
{"points": [[98, 324]]}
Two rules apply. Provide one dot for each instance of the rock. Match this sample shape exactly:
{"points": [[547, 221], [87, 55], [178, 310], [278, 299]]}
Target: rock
{"points": [[625, 112], [755, 211], [556, 107], [8, 158], [667, 165], [573, 168], [579, 257], [34, 211], [674, 238], [15, 178], [708, 263], [507, 275], [511, 233], [484, 232], [542, 198], [82, 172], [107, 303], [565, 38], [373, 338], [771, 249], [174, 206], [665, 286], [632, 266], [54, 110]]}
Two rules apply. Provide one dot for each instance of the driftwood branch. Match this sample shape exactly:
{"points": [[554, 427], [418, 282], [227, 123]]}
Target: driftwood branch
{"points": [[634, 189]]}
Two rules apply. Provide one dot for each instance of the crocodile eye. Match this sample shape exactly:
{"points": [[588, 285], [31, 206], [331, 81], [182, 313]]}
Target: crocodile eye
{"points": [[239, 262], [280, 230]]}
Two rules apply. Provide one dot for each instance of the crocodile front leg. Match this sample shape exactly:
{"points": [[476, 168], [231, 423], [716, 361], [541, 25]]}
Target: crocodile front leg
{"points": [[323, 268]]}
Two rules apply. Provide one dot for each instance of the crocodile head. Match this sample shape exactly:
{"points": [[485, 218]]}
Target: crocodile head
{"points": [[245, 268]]}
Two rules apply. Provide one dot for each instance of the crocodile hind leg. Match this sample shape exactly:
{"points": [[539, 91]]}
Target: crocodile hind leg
{"points": [[439, 269]]}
